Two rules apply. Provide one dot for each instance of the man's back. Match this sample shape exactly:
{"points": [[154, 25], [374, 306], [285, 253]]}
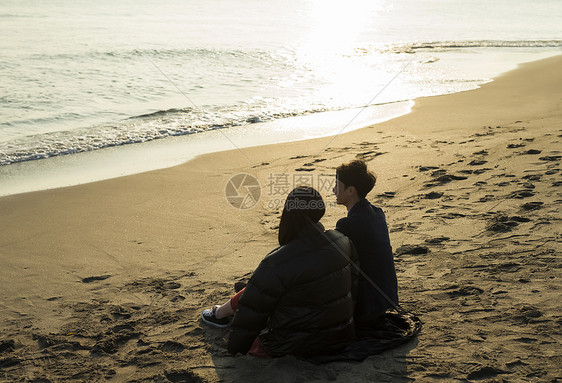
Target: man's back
{"points": [[366, 226]]}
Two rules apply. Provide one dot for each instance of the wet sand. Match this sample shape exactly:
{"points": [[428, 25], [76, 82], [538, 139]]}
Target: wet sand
{"points": [[106, 281]]}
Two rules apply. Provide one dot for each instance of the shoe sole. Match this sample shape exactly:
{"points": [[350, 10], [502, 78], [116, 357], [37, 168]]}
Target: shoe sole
{"points": [[212, 323]]}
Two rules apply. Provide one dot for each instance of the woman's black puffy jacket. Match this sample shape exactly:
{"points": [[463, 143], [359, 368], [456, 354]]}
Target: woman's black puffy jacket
{"points": [[299, 300]]}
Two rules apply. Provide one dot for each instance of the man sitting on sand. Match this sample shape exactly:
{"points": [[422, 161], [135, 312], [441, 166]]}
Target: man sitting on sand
{"points": [[299, 300], [365, 225]]}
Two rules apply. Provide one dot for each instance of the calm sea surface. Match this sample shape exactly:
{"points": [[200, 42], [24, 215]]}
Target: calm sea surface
{"points": [[80, 75]]}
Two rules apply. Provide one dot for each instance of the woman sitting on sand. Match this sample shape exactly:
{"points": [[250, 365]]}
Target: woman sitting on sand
{"points": [[299, 299]]}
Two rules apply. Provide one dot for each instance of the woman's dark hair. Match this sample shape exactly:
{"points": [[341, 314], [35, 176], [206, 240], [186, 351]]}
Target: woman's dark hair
{"points": [[304, 206], [356, 174]]}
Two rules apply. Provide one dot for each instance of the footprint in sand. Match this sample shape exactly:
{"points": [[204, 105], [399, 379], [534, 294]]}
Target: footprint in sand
{"points": [[443, 179], [183, 376], [95, 278], [171, 346], [480, 171], [437, 240], [516, 363], [532, 206], [481, 153], [526, 313], [527, 185], [260, 165], [550, 158], [387, 194], [515, 146], [517, 218], [483, 134], [433, 195], [465, 291], [520, 194], [532, 177], [111, 343], [368, 156], [486, 198], [7, 345], [504, 224], [157, 285], [426, 168], [486, 372], [314, 162], [532, 151], [412, 249], [452, 215], [119, 312], [477, 162]]}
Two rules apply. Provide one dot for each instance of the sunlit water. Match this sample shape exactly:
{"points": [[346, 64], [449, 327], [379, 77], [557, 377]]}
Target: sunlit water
{"points": [[77, 75]]}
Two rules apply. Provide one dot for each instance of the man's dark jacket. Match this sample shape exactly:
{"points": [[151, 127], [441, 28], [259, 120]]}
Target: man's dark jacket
{"points": [[365, 225], [299, 299]]}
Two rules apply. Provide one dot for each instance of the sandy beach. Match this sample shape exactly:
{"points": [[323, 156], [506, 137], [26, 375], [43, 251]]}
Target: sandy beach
{"points": [[106, 281]]}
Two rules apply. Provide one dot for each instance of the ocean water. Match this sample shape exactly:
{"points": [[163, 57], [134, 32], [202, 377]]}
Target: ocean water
{"points": [[78, 76]]}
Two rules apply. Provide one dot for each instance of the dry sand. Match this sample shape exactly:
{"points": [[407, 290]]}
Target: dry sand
{"points": [[106, 281]]}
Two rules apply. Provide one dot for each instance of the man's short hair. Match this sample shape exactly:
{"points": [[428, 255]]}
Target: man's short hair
{"points": [[356, 174]]}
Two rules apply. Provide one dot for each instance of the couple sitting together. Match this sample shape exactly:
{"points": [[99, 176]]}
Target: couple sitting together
{"points": [[319, 290]]}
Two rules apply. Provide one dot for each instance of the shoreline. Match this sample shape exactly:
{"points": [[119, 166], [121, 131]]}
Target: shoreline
{"points": [[115, 273], [113, 162], [123, 160]]}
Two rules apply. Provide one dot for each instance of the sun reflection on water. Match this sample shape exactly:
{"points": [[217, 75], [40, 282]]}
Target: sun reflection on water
{"points": [[335, 25], [332, 47]]}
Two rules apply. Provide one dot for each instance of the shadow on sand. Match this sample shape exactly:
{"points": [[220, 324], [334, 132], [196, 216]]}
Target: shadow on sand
{"points": [[389, 366]]}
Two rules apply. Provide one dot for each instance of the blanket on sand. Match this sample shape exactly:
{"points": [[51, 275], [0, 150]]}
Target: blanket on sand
{"points": [[393, 329]]}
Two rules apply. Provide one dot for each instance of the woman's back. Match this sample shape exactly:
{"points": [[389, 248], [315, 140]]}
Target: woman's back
{"points": [[300, 294]]}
